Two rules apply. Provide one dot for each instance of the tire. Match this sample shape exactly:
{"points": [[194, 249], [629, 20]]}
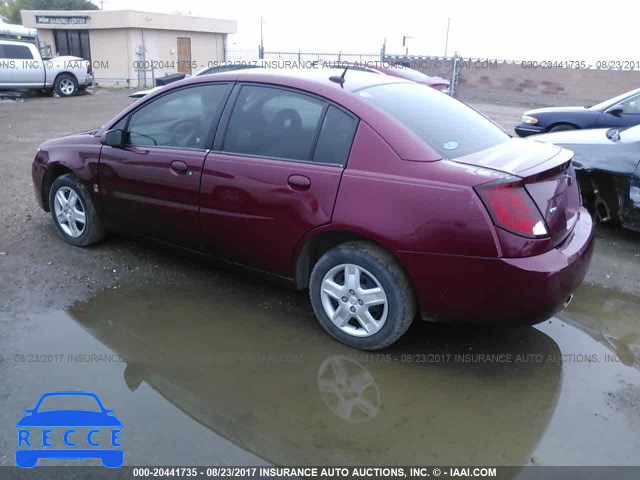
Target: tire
{"points": [[329, 284], [65, 85], [562, 127], [70, 205]]}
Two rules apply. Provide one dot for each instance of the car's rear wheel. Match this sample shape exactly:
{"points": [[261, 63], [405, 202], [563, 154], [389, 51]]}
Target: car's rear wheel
{"points": [[362, 296], [561, 127], [73, 212], [65, 85]]}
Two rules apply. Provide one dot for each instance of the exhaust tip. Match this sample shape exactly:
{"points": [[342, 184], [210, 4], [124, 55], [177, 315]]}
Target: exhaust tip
{"points": [[568, 301]]}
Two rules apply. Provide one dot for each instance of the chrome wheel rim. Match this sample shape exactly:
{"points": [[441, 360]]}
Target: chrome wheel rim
{"points": [[70, 212], [66, 86], [354, 300]]}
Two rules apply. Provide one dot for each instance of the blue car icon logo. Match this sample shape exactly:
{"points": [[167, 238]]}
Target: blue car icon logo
{"points": [[67, 433]]}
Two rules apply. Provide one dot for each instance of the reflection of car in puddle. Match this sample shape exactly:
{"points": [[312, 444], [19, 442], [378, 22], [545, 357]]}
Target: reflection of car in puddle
{"points": [[609, 317], [348, 389], [271, 382]]}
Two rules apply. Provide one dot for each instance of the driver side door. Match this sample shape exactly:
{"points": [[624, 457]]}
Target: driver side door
{"points": [[151, 185]]}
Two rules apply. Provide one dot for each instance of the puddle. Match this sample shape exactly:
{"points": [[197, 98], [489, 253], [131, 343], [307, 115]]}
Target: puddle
{"points": [[611, 318], [201, 377]]}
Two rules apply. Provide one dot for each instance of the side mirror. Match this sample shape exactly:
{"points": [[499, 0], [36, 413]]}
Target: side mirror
{"points": [[114, 138], [616, 110]]}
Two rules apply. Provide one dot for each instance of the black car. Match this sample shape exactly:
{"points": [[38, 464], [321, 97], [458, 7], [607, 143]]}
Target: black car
{"points": [[620, 111], [607, 164]]}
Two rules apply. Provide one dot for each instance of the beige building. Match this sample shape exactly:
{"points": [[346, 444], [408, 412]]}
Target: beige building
{"points": [[130, 48]]}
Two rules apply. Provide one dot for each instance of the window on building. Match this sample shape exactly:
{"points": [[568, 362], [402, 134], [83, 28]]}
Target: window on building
{"points": [[73, 42]]}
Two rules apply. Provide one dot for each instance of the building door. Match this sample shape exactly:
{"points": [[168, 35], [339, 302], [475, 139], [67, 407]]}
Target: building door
{"points": [[184, 55]]}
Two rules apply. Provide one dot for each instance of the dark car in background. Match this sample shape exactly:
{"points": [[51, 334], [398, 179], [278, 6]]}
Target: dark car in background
{"points": [[607, 164], [387, 200], [620, 111]]}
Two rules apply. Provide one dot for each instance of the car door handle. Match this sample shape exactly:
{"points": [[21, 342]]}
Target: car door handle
{"points": [[179, 166], [299, 182]]}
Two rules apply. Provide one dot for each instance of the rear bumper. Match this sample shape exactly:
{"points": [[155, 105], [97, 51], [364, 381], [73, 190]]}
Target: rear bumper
{"points": [[512, 291], [526, 129]]}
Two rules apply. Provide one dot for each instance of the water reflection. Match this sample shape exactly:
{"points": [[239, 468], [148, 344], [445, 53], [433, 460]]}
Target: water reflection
{"points": [[610, 317], [275, 384], [348, 389]]}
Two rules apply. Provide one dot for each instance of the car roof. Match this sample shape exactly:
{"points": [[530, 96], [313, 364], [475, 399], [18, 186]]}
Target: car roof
{"points": [[307, 78]]}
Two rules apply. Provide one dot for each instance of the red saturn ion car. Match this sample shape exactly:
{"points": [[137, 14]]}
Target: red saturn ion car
{"points": [[387, 200]]}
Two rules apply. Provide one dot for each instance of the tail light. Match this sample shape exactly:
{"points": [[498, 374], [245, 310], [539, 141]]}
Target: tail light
{"points": [[512, 209], [89, 69]]}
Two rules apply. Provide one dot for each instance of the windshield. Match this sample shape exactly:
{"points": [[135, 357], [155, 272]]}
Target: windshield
{"points": [[615, 100], [448, 126]]}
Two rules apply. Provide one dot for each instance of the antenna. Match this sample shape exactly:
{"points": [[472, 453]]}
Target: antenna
{"points": [[339, 79]]}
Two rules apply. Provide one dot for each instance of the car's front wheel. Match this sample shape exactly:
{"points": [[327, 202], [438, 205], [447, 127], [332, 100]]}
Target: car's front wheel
{"points": [[362, 296], [73, 212], [562, 127]]}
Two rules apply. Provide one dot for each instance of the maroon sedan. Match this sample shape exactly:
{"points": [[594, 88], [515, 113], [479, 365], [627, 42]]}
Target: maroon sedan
{"points": [[386, 199], [407, 73]]}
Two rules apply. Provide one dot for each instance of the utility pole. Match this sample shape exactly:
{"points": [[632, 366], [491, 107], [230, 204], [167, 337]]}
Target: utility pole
{"points": [[405, 44], [446, 39], [261, 49]]}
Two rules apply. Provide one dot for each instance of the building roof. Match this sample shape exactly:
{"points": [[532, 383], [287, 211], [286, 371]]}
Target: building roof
{"points": [[109, 19]]}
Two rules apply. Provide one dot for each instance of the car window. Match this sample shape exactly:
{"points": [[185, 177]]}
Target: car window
{"points": [[68, 402], [336, 137], [631, 105], [18, 52], [183, 118], [613, 101], [448, 126], [272, 122]]}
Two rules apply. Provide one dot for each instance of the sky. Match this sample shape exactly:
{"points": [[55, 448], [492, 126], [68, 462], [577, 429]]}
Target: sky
{"points": [[510, 30]]}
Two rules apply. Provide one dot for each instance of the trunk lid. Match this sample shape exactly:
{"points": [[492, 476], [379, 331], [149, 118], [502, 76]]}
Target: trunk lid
{"points": [[548, 178]]}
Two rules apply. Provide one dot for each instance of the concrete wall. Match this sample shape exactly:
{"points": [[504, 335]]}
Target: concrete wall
{"points": [[509, 82]]}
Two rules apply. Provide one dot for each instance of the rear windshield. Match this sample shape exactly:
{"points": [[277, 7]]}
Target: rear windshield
{"points": [[448, 126]]}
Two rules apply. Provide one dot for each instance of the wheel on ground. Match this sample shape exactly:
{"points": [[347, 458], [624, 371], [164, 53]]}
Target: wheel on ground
{"points": [[73, 213], [561, 127], [65, 85], [361, 295]]}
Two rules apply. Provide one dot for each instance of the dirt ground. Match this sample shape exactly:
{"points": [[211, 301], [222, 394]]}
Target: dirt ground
{"points": [[590, 411]]}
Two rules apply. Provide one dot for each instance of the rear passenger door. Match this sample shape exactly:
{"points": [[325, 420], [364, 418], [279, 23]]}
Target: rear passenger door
{"points": [[273, 174]]}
